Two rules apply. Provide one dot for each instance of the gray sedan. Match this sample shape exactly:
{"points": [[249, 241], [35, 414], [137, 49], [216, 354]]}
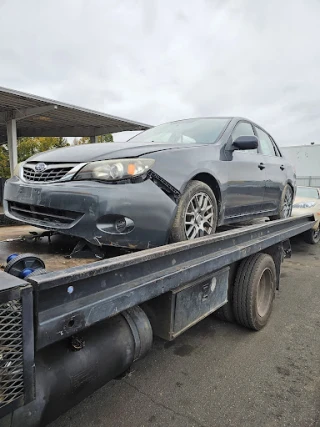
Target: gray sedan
{"points": [[174, 182]]}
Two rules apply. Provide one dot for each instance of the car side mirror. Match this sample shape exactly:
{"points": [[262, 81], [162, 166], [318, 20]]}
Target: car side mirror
{"points": [[249, 142]]}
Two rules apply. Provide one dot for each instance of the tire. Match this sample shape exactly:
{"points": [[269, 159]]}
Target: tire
{"points": [[286, 204], [190, 218], [254, 291], [312, 236], [225, 313], [37, 272], [20, 262]]}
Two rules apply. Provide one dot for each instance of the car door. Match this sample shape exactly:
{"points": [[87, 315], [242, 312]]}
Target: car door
{"points": [[275, 168], [244, 194]]}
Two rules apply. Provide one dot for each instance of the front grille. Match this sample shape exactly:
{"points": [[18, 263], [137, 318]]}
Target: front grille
{"points": [[52, 173], [11, 352], [40, 213]]}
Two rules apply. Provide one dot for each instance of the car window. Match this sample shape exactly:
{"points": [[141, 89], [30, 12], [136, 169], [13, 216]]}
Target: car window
{"points": [[266, 144], [243, 129], [190, 131]]}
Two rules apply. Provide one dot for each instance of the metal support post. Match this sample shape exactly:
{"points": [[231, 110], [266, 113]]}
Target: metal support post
{"points": [[12, 144], [93, 139]]}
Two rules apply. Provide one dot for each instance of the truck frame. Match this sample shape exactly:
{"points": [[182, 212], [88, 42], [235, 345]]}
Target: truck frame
{"points": [[65, 333]]}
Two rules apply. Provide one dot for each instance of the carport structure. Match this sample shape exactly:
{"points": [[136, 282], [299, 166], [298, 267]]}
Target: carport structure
{"points": [[25, 115]]}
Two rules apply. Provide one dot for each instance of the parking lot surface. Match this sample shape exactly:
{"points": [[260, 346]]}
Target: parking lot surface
{"points": [[220, 374]]}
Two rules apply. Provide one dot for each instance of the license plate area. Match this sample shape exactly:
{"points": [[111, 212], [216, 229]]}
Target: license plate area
{"points": [[28, 194]]}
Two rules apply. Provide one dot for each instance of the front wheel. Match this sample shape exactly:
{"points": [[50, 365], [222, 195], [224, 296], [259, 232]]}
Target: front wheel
{"points": [[197, 213], [286, 204]]}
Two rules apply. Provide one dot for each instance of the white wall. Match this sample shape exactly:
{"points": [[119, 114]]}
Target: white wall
{"points": [[306, 159]]}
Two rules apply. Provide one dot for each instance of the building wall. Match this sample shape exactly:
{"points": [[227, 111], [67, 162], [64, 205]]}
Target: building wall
{"points": [[306, 159]]}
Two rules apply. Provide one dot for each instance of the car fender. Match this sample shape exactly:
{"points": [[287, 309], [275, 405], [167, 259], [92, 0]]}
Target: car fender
{"points": [[180, 168]]}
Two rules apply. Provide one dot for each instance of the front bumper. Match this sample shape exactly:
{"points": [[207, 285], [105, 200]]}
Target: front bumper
{"points": [[90, 210]]}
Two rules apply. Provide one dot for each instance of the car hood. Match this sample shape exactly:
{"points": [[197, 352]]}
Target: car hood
{"points": [[103, 151]]}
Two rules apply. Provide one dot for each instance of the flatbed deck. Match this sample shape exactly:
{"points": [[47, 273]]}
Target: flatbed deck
{"points": [[54, 254]]}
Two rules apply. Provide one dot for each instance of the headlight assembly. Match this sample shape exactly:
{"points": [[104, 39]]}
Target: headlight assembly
{"points": [[114, 170]]}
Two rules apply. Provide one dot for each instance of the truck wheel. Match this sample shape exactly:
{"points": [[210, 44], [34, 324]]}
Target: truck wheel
{"points": [[254, 291], [225, 313], [197, 213], [286, 204], [312, 236]]}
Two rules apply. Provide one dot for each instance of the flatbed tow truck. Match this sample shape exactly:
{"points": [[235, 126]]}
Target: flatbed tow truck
{"points": [[70, 325]]}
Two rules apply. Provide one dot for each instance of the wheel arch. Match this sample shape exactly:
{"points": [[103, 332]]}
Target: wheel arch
{"points": [[292, 186], [212, 182]]}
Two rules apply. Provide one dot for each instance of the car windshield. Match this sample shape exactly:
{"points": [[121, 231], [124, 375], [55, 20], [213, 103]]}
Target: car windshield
{"points": [[191, 131], [307, 192]]}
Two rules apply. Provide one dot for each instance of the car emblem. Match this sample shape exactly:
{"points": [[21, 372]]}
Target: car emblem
{"points": [[40, 167]]}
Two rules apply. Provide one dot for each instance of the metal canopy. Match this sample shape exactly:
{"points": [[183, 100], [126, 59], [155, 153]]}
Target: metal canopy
{"points": [[22, 114], [37, 116]]}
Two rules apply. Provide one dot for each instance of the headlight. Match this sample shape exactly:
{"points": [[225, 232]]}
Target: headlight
{"points": [[17, 169], [114, 170], [304, 205]]}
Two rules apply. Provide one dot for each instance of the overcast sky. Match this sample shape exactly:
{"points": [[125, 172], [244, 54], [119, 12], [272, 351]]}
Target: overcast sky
{"points": [[159, 60]]}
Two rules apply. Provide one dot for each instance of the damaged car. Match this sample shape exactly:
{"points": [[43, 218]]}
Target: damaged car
{"points": [[173, 182]]}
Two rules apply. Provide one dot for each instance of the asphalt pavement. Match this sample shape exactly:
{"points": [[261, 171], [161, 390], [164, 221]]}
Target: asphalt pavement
{"points": [[220, 374]]}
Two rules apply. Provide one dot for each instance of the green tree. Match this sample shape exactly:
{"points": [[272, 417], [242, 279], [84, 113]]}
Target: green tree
{"points": [[62, 142], [27, 147], [49, 143], [4, 162], [108, 137]]}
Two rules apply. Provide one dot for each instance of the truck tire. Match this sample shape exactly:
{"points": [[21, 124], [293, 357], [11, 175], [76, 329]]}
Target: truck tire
{"points": [[286, 204], [254, 291], [197, 213], [312, 236], [225, 313]]}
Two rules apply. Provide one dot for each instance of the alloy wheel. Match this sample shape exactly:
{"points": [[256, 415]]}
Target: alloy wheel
{"points": [[287, 204], [199, 216]]}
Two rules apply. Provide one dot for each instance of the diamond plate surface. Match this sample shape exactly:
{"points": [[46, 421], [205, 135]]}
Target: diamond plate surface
{"points": [[11, 352]]}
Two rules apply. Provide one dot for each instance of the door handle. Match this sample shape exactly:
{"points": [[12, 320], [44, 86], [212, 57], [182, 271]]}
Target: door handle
{"points": [[282, 167], [261, 166]]}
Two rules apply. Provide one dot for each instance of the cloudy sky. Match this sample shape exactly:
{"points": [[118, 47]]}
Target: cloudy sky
{"points": [[160, 60]]}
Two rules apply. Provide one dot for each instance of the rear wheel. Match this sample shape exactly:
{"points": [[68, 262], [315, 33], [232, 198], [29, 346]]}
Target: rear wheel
{"points": [[197, 213], [286, 204], [254, 291], [312, 236]]}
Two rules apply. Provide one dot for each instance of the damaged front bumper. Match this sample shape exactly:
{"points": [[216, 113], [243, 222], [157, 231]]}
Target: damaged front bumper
{"points": [[126, 215]]}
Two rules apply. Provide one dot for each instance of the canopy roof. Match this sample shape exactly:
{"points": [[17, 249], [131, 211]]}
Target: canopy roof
{"points": [[37, 116]]}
